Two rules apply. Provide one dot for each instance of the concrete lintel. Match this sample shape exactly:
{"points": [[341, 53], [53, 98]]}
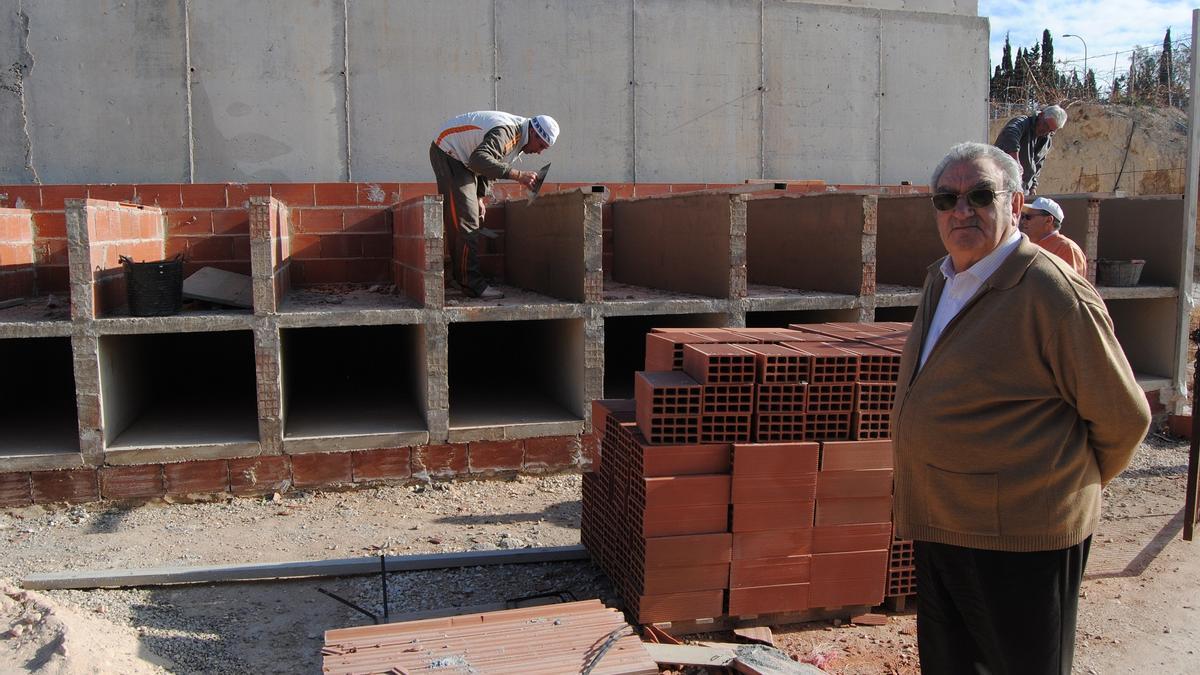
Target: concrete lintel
{"points": [[352, 317], [898, 296], [515, 312], [85, 357], [315, 444], [42, 462], [35, 329], [1137, 292], [665, 306], [181, 453], [801, 301], [198, 322], [515, 431], [435, 399]]}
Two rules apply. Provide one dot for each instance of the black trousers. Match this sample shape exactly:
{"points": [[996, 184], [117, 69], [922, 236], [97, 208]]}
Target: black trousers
{"points": [[996, 612]]}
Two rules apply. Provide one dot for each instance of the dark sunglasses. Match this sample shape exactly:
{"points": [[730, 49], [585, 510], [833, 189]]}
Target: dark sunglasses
{"points": [[1027, 216], [976, 199]]}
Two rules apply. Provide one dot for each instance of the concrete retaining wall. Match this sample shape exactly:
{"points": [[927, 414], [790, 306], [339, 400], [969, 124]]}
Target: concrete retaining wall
{"points": [[213, 90]]}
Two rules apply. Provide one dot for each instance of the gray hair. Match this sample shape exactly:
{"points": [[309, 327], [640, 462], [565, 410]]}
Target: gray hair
{"points": [[1057, 113], [969, 152]]}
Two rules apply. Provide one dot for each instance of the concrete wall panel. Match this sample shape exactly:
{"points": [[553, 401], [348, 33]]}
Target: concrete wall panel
{"points": [[583, 48], [268, 95], [967, 7], [935, 93], [821, 122], [697, 73], [414, 65], [106, 95], [14, 141]]}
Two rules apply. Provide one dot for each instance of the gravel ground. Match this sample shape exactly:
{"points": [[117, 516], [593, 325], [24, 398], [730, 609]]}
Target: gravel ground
{"points": [[277, 627]]}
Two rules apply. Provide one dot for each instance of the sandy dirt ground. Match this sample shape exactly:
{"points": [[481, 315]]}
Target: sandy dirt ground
{"points": [[1139, 612]]}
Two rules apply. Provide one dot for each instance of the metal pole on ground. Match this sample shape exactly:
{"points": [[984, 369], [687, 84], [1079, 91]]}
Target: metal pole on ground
{"points": [[1185, 293]]}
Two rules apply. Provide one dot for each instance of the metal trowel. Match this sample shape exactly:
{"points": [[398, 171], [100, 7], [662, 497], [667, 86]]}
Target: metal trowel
{"points": [[537, 183]]}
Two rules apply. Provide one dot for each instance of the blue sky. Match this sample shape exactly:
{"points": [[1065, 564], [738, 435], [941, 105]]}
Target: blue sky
{"points": [[1107, 25]]}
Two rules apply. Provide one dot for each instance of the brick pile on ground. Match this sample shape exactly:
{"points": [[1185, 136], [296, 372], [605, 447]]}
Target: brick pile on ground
{"points": [[751, 475]]}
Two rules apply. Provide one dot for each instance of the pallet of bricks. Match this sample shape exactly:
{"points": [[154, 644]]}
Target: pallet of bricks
{"points": [[749, 480]]}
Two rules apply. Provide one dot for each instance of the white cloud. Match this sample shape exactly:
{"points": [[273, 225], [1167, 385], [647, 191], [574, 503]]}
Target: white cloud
{"points": [[1108, 26]]}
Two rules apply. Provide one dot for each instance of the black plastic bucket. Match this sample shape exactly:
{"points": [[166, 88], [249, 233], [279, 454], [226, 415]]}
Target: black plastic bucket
{"points": [[154, 288]]}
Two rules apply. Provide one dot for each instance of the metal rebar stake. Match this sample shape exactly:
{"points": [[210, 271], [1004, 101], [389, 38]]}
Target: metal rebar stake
{"points": [[1189, 505]]}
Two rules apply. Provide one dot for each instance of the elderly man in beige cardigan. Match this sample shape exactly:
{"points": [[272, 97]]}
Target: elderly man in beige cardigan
{"points": [[1015, 407]]}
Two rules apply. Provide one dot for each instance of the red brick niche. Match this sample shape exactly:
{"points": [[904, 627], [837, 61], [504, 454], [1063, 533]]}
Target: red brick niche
{"points": [[279, 473]]}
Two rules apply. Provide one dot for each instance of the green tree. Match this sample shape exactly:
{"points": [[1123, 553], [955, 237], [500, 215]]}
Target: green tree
{"points": [[1049, 76], [1089, 84]]}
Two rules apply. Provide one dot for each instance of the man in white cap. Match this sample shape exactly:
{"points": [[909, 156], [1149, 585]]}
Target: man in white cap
{"points": [[1041, 221], [470, 152]]}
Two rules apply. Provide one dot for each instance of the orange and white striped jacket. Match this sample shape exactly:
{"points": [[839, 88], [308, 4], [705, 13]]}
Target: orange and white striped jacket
{"points": [[463, 136]]}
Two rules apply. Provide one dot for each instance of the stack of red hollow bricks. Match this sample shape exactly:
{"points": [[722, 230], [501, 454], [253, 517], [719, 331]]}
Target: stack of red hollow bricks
{"points": [[751, 474]]}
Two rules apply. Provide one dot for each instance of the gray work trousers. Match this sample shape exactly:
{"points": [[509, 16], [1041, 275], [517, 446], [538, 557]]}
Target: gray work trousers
{"points": [[461, 191]]}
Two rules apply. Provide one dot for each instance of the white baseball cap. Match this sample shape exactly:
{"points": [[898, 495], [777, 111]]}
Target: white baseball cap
{"points": [[1048, 205], [546, 127]]}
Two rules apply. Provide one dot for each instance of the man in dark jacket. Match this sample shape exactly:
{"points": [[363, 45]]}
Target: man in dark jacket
{"points": [[1028, 139]]}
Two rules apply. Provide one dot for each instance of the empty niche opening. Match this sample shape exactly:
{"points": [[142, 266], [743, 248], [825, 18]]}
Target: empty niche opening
{"points": [[783, 319], [1139, 325], [625, 345], [516, 372], [38, 414], [353, 380], [895, 313], [178, 389]]}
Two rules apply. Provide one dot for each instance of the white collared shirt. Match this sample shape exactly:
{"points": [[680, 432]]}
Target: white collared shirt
{"points": [[961, 287]]}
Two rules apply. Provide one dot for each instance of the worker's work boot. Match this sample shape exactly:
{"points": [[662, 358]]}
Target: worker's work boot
{"points": [[490, 293]]}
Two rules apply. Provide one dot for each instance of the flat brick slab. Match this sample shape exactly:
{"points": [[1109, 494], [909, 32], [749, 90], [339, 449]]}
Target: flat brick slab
{"points": [[653, 461], [16, 489], [774, 489], [855, 592], [185, 478], [681, 551], [664, 580], [854, 510], [680, 606], [849, 565], [487, 457], [440, 461], [131, 482], [674, 491], [72, 485], [259, 475], [842, 538], [679, 520], [382, 464]]}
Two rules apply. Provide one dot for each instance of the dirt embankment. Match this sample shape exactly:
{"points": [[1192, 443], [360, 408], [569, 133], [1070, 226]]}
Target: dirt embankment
{"points": [[1137, 150]]}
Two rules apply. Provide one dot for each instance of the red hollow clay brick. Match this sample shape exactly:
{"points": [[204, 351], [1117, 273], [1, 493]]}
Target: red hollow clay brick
{"points": [[854, 510], [858, 483], [668, 406], [665, 580], [71, 485], [695, 549], [780, 488], [772, 543], [855, 592], [849, 565], [184, 478], [773, 459], [672, 491], [774, 516], [131, 482], [16, 489], [664, 351], [680, 606], [652, 461], [681, 520], [844, 455], [325, 468], [382, 464], [492, 456], [718, 364], [768, 599], [258, 475], [842, 538], [770, 571]]}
